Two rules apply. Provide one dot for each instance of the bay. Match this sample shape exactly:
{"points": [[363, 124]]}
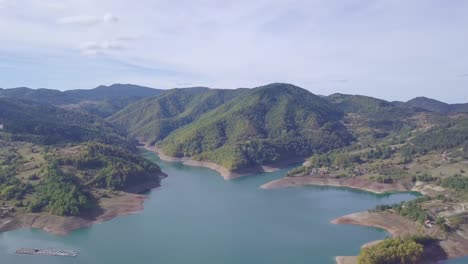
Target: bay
{"points": [[197, 217]]}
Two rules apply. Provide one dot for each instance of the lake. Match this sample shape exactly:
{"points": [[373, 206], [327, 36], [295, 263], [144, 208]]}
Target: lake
{"points": [[197, 217]]}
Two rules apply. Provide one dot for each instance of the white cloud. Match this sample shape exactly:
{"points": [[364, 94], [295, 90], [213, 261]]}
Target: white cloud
{"points": [[95, 47], [87, 20]]}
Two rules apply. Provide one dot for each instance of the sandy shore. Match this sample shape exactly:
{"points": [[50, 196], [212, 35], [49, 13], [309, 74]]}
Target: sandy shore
{"points": [[354, 183], [452, 245], [225, 173]]}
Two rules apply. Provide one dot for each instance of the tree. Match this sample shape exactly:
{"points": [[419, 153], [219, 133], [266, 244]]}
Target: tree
{"points": [[392, 251]]}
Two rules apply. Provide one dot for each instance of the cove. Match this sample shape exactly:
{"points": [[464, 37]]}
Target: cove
{"points": [[197, 217]]}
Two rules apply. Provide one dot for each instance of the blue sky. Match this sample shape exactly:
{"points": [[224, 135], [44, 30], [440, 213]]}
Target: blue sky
{"points": [[392, 49]]}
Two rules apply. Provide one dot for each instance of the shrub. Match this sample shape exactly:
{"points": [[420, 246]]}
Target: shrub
{"points": [[391, 251]]}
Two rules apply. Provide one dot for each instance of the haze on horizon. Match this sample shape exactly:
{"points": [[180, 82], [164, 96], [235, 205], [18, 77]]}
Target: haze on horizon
{"points": [[395, 50]]}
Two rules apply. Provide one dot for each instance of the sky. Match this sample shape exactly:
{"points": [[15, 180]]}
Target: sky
{"points": [[390, 49]]}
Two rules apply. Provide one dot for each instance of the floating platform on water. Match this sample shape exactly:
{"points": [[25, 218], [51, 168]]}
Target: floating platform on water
{"points": [[47, 252]]}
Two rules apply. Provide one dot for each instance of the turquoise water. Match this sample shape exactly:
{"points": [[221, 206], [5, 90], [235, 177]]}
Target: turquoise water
{"points": [[197, 217]]}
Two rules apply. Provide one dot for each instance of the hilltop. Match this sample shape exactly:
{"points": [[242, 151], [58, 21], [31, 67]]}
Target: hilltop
{"points": [[436, 106], [237, 129], [152, 119], [102, 100]]}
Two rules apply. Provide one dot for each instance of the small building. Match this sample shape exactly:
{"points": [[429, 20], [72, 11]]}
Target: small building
{"points": [[1, 126]]}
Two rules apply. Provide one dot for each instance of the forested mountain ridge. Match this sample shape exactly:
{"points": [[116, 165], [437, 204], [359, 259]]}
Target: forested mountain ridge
{"points": [[49, 125], [249, 127], [436, 106], [102, 100], [64, 162], [152, 119], [264, 125]]}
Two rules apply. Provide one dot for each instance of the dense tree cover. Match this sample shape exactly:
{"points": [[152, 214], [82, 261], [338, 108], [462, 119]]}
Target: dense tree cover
{"points": [[456, 182], [262, 125], [153, 119], [333, 159], [410, 209], [425, 177], [380, 152], [447, 136], [111, 167], [46, 125], [344, 159], [10, 186], [376, 113], [372, 108], [429, 104], [102, 100], [435, 106], [392, 251], [97, 165], [60, 193]]}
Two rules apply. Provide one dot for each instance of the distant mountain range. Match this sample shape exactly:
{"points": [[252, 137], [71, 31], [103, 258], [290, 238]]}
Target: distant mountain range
{"points": [[236, 129], [102, 100]]}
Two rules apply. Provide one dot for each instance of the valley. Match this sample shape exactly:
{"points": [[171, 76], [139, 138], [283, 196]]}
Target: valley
{"points": [[65, 165]]}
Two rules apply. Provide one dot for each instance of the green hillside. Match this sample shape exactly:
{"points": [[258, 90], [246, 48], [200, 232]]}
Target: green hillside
{"points": [[64, 162], [102, 100], [369, 107], [435, 106], [264, 125], [152, 119], [46, 125], [429, 104]]}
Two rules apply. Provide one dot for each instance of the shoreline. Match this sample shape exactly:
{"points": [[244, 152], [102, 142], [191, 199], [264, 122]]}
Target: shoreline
{"points": [[126, 202], [448, 246], [351, 183], [225, 173]]}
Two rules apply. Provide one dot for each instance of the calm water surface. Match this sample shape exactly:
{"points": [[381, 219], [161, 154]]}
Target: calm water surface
{"points": [[197, 217]]}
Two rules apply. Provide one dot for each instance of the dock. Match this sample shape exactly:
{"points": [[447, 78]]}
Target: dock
{"points": [[47, 252]]}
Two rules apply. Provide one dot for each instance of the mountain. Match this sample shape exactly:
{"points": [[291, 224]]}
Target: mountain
{"points": [[435, 106], [152, 119], [102, 100], [46, 124], [62, 161], [369, 107], [263, 125], [377, 117], [429, 104]]}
